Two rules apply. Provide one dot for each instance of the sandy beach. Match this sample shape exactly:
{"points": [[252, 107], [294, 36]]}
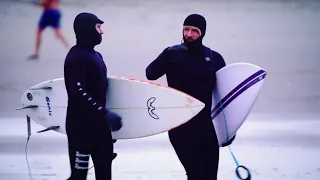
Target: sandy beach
{"points": [[279, 141], [271, 151]]}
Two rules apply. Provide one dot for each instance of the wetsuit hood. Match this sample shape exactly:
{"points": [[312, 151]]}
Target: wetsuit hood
{"points": [[85, 29], [199, 22]]}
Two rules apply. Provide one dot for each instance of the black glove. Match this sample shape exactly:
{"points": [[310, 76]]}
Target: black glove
{"points": [[229, 142], [114, 120]]}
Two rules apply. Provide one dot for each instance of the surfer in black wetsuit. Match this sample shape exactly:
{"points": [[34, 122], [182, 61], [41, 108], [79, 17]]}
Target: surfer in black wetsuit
{"points": [[89, 123], [190, 67]]}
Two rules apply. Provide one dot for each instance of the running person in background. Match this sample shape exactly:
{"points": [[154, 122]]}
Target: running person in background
{"points": [[50, 17]]}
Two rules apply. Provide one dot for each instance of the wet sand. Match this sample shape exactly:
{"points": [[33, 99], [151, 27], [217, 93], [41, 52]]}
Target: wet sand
{"points": [[270, 150]]}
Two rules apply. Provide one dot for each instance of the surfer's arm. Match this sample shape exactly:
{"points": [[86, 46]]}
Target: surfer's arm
{"points": [[77, 71], [158, 67]]}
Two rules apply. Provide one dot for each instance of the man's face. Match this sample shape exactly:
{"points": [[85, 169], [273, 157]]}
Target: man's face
{"points": [[191, 33], [98, 28]]}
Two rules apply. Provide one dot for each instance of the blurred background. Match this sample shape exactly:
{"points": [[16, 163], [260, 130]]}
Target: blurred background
{"points": [[281, 36]]}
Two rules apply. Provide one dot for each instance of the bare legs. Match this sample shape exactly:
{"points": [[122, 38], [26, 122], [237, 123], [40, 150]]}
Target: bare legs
{"points": [[58, 34], [38, 43], [61, 37]]}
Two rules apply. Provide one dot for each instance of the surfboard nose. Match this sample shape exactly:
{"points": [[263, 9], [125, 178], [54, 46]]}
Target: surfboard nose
{"points": [[193, 102], [195, 105]]}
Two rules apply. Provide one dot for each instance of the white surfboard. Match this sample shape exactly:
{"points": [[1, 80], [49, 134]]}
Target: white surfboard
{"points": [[238, 85], [147, 108]]}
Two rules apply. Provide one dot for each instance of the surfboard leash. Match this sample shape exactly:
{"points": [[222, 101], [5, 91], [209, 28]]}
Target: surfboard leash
{"points": [[28, 138], [233, 156]]}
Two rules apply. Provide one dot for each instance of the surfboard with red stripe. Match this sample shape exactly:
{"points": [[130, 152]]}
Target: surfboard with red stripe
{"points": [[147, 108]]}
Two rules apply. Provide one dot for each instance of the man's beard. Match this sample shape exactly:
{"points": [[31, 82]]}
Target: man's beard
{"points": [[189, 39]]}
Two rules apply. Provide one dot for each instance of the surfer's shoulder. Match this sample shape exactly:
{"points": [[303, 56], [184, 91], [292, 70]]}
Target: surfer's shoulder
{"points": [[77, 56], [214, 53]]}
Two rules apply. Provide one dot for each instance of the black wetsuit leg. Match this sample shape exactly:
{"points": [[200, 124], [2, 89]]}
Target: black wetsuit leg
{"points": [[198, 153]]}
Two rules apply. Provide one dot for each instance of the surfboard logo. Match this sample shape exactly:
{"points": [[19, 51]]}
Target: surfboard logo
{"points": [[29, 96], [48, 105], [151, 108], [41, 118]]}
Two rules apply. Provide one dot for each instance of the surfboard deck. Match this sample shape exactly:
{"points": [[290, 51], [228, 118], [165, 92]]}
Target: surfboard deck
{"points": [[147, 108], [238, 87]]}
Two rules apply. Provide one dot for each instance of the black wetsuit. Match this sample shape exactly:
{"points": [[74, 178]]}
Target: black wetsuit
{"points": [[191, 67], [86, 83]]}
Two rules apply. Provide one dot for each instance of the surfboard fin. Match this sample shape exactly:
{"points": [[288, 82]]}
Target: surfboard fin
{"points": [[27, 107], [44, 87], [49, 128]]}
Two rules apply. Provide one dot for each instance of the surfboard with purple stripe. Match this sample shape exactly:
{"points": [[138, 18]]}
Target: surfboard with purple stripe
{"points": [[238, 86], [242, 87]]}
